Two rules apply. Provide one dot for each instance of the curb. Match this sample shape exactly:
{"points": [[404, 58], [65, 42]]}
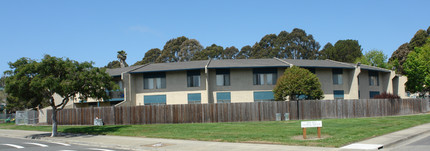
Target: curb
{"points": [[405, 138]]}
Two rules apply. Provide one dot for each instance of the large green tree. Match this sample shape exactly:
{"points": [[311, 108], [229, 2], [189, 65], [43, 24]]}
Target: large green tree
{"points": [[374, 58], [150, 57], [171, 49], [343, 50], [37, 82], [113, 65], [302, 45], [417, 69], [399, 57], [418, 40], [244, 53], [297, 82], [230, 52], [188, 49]]}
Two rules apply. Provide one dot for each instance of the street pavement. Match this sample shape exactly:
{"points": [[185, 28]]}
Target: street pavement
{"points": [[149, 144], [13, 144], [419, 143]]}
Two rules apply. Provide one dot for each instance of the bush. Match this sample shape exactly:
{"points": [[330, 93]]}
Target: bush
{"points": [[386, 96]]}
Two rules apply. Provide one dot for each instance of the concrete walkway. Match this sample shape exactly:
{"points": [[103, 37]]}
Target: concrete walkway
{"points": [[138, 143]]}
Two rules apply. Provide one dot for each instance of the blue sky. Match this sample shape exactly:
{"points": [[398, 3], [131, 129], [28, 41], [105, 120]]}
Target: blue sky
{"points": [[95, 30]]}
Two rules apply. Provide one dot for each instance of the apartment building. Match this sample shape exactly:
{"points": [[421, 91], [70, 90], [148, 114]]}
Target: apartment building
{"points": [[240, 80]]}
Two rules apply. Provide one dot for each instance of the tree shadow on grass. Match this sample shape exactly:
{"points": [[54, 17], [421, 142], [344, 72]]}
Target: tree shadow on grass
{"points": [[89, 131], [94, 130]]}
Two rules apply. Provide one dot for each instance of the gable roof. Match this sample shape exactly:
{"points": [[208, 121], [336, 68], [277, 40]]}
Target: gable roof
{"points": [[246, 63], [118, 71], [238, 63], [173, 66], [318, 63]]}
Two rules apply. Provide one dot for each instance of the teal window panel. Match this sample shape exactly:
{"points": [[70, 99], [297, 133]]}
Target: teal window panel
{"points": [[265, 95], [223, 96], [373, 93], [194, 97], [339, 94], [154, 99]]}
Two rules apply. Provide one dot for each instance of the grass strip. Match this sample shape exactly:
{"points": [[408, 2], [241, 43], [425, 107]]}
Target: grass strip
{"points": [[338, 132]]}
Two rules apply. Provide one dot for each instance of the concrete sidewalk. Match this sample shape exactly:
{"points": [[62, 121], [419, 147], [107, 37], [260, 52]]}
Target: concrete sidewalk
{"points": [[387, 140], [138, 143]]}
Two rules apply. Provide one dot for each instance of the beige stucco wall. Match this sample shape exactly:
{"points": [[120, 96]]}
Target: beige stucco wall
{"points": [[176, 90], [402, 87], [325, 75], [241, 85]]}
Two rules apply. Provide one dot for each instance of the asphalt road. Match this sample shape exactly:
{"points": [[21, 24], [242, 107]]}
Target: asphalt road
{"points": [[419, 143], [14, 144]]}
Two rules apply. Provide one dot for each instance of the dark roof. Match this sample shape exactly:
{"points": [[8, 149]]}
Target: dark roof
{"points": [[367, 67], [118, 71], [318, 63], [174, 66], [246, 63], [238, 63]]}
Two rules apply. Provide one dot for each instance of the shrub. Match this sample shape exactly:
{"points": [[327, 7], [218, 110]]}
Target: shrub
{"points": [[386, 96]]}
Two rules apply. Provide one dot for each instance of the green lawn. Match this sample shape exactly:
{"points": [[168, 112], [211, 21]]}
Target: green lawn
{"points": [[339, 131]]}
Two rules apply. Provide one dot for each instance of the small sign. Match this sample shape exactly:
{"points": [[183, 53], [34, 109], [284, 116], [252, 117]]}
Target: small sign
{"points": [[306, 124]]}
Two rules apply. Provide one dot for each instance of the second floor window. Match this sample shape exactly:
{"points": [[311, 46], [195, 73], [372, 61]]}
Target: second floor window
{"points": [[337, 76], [193, 78], [222, 77], [373, 78], [155, 80], [265, 76]]}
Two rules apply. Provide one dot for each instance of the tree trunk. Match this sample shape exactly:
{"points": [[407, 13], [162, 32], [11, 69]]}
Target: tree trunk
{"points": [[54, 123]]}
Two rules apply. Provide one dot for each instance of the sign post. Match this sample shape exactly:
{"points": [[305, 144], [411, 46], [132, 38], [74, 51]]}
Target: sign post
{"points": [[306, 124]]}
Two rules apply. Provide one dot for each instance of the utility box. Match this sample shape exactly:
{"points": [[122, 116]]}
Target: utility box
{"points": [[98, 122], [278, 116], [287, 116]]}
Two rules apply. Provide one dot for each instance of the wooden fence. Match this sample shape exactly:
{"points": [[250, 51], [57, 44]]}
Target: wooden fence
{"points": [[237, 112]]}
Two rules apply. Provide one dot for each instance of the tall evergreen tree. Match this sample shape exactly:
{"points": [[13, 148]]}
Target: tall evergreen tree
{"points": [[171, 49], [343, 50], [150, 57], [230, 52]]}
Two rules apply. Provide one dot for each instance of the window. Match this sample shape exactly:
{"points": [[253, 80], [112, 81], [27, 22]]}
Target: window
{"points": [[373, 93], [193, 78], [338, 94], [263, 96], [373, 78], [156, 80], [312, 70], [194, 98], [154, 99], [222, 77], [337, 76], [265, 76], [223, 97]]}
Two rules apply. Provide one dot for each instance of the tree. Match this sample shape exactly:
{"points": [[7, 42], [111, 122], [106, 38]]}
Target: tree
{"points": [[188, 49], [417, 69], [229, 52], [244, 53], [170, 52], [302, 45], [122, 56], [374, 58], [37, 82], [150, 57], [113, 65], [343, 50], [326, 51], [399, 56], [418, 40], [297, 82]]}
